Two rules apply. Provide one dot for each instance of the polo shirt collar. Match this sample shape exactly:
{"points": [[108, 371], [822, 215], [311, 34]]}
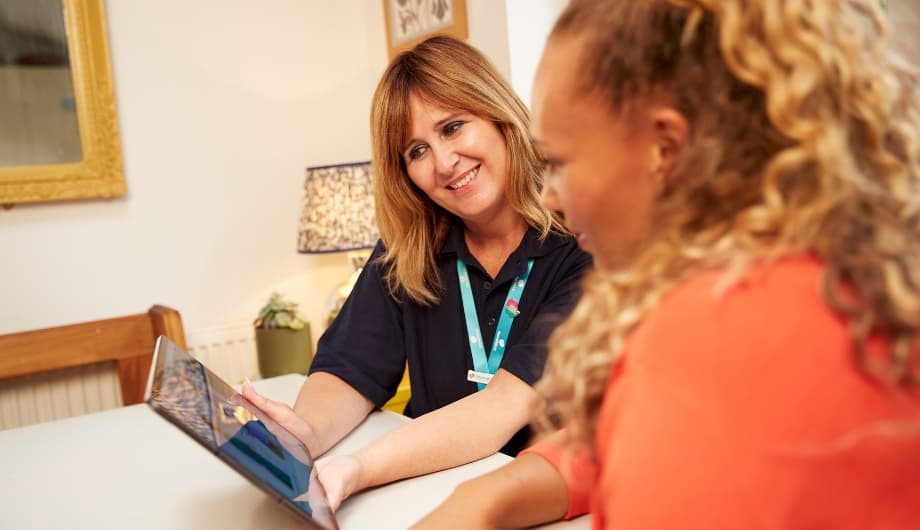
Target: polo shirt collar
{"points": [[530, 247]]}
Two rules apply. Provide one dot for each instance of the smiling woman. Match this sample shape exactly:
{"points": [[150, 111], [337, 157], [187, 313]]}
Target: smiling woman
{"points": [[467, 260], [62, 141]]}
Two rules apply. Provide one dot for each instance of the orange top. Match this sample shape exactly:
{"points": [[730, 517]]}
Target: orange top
{"points": [[746, 410]]}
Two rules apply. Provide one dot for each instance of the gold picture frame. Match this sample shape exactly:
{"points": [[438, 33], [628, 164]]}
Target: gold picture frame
{"points": [[408, 22], [100, 172]]}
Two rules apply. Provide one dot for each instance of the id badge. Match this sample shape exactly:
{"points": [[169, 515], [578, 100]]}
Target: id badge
{"points": [[478, 377]]}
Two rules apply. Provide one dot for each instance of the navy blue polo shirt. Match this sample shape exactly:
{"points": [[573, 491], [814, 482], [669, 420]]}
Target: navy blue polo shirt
{"points": [[374, 335]]}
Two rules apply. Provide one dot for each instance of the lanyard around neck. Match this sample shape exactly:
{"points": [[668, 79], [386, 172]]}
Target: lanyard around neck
{"points": [[484, 368]]}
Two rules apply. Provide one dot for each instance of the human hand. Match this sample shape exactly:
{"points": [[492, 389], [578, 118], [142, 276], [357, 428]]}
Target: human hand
{"points": [[340, 476], [282, 414], [316, 497]]}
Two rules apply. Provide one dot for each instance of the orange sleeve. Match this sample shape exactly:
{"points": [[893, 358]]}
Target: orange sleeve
{"points": [[578, 470]]}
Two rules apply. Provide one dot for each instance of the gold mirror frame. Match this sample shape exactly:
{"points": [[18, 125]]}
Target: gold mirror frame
{"points": [[100, 173]]}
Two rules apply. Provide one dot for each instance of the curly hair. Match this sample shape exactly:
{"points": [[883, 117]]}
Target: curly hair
{"points": [[450, 73], [803, 140]]}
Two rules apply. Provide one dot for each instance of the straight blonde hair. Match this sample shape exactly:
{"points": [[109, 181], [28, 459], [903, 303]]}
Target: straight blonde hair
{"points": [[450, 73]]}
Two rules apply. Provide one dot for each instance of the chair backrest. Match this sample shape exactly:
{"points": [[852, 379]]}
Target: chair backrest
{"points": [[128, 341]]}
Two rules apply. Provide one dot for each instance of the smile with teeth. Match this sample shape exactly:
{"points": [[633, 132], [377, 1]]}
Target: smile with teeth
{"points": [[465, 180]]}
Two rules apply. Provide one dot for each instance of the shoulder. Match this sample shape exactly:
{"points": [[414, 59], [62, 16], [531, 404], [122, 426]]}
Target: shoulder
{"points": [[377, 261], [773, 309], [761, 372], [762, 291]]}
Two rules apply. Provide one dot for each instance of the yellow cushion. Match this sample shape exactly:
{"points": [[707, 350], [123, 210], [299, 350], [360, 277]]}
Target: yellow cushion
{"points": [[398, 402]]}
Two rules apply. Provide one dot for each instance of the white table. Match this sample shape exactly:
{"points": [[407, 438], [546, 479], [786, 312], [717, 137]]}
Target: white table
{"points": [[129, 468]]}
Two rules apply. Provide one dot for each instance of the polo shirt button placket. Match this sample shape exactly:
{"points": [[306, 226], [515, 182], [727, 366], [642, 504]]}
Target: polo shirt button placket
{"points": [[487, 285]]}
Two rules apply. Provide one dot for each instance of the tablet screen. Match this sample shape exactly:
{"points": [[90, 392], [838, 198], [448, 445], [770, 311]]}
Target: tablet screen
{"points": [[190, 396]]}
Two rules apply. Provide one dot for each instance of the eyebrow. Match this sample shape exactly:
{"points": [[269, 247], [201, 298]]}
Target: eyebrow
{"points": [[440, 123]]}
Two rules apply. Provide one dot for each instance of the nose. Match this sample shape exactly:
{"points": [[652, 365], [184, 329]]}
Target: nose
{"points": [[445, 159]]}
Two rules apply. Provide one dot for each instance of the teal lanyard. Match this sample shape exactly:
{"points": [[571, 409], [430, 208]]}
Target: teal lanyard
{"points": [[483, 368]]}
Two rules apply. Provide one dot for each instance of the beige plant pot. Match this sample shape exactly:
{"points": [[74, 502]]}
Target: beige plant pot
{"points": [[284, 351]]}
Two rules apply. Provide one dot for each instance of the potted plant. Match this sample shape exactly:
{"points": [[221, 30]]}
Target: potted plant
{"points": [[283, 341]]}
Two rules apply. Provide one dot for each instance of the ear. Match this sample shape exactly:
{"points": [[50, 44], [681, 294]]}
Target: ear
{"points": [[670, 132]]}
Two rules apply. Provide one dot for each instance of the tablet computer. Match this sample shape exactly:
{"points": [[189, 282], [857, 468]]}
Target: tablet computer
{"points": [[192, 398]]}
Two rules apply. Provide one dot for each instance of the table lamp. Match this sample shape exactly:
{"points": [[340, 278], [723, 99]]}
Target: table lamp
{"points": [[338, 216]]}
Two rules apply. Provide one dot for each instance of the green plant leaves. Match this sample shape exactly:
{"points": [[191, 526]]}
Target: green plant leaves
{"points": [[279, 313]]}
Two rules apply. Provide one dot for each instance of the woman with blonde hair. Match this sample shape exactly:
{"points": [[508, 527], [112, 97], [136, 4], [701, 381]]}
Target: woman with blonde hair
{"points": [[746, 175], [469, 278]]}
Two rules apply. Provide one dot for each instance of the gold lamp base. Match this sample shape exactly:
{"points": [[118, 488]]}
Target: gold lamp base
{"points": [[357, 258]]}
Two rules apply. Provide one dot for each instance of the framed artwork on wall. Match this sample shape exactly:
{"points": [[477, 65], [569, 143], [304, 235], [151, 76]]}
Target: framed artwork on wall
{"points": [[410, 21]]}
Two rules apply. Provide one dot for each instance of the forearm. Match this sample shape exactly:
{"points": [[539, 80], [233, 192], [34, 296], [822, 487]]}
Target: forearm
{"points": [[467, 430], [331, 407], [525, 492]]}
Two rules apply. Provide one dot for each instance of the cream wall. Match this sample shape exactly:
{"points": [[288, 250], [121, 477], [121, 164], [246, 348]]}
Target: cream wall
{"points": [[222, 103], [529, 23]]}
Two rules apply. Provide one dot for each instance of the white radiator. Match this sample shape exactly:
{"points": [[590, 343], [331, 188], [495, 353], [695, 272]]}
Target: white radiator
{"points": [[59, 394], [228, 350]]}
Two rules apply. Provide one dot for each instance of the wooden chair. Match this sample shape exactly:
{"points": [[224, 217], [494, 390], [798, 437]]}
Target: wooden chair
{"points": [[128, 341]]}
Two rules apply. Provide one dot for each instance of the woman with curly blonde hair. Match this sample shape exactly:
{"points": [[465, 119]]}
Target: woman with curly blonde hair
{"points": [[746, 175], [468, 280]]}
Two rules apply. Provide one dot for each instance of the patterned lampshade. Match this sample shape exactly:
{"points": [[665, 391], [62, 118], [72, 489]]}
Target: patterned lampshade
{"points": [[338, 209]]}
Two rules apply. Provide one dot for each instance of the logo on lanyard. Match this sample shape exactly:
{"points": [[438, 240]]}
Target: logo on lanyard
{"points": [[484, 368]]}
